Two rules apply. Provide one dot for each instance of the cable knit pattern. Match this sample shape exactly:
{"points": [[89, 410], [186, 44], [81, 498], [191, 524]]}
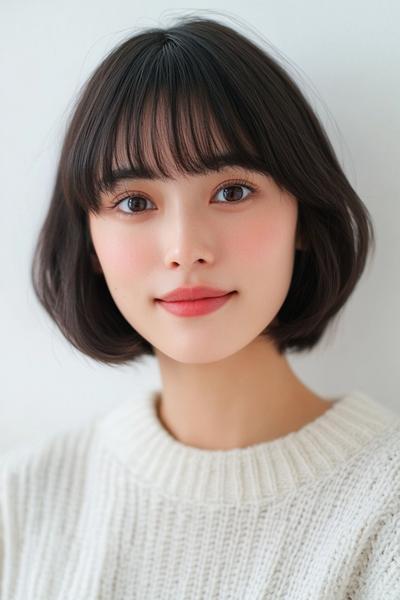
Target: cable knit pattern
{"points": [[119, 509]]}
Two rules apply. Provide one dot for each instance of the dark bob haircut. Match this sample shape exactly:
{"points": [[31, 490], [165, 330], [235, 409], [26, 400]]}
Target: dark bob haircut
{"points": [[212, 97]]}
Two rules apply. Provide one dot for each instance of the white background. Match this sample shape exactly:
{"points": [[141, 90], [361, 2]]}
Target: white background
{"points": [[346, 58]]}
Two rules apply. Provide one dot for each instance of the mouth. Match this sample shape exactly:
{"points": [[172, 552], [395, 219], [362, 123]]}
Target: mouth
{"points": [[197, 307], [186, 300]]}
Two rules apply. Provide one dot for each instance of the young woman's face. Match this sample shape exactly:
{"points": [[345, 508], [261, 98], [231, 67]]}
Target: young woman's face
{"points": [[198, 230]]}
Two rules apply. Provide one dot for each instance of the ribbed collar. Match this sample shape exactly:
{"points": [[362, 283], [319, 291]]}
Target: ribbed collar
{"points": [[134, 434]]}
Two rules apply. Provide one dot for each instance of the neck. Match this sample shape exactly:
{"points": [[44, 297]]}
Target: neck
{"points": [[250, 397]]}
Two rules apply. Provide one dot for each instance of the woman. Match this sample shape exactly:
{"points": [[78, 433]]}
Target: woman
{"points": [[193, 161]]}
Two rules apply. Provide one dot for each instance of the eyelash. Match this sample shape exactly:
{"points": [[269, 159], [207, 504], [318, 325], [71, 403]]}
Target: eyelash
{"points": [[234, 183]]}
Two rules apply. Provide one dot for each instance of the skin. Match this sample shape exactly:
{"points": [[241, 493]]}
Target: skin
{"points": [[223, 385]]}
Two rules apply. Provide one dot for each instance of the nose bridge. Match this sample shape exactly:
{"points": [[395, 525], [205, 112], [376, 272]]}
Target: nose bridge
{"points": [[185, 207], [187, 228], [185, 216]]}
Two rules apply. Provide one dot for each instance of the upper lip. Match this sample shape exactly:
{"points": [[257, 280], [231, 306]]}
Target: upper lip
{"points": [[193, 293]]}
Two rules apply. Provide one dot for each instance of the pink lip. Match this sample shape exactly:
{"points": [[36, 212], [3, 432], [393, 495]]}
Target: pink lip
{"points": [[190, 308], [192, 293]]}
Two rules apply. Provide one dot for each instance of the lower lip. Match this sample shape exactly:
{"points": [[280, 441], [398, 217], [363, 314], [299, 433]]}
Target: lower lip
{"points": [[194, 308]]}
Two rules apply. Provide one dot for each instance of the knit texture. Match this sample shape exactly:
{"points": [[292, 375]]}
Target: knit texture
{"points": [[119, 509]]}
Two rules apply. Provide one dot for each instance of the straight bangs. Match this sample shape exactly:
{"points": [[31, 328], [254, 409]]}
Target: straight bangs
{"points": [[176, 111]]}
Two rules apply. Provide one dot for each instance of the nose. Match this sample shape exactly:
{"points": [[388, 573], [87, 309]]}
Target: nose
{"points": [[188, 240], [185, 253]]}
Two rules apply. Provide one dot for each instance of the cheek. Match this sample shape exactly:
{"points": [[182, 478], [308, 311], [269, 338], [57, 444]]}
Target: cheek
{"points": [[265, 251], [264, 239], [122, 257]]}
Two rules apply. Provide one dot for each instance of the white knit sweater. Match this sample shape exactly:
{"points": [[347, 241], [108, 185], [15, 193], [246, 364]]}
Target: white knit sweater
{"points": [[119, 509]]}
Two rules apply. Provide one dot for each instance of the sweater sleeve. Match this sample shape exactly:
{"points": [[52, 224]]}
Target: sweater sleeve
{"points": [[11, 510], [5, 460], [379, 566], [1, 536], [2, 526]]}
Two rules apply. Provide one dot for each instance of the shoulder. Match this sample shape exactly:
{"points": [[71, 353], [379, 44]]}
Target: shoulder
{"points": [[377, 561], [378, 458], [44, 487], [34, 470], [69, 444], [377, 465], [383, 453], [377, 558]]}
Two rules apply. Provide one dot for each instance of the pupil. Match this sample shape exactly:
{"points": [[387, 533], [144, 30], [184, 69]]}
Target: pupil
{"points": [[132, 200], [229, 195]]}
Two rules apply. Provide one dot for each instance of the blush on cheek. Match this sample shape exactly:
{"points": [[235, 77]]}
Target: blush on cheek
{"points": [[261, 240], [124, 259], [274, 231]]}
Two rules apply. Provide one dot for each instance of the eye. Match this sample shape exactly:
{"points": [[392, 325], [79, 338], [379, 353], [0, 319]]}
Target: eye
{"points": [[235, 194], [133, 201], [232, 194]]}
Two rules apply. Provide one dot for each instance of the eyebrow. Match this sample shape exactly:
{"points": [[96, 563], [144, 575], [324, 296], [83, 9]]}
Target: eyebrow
{"points": [[127, 172]]}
